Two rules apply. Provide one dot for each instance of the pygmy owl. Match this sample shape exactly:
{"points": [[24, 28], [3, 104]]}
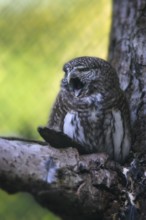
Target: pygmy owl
{"points": [[91, 109]]}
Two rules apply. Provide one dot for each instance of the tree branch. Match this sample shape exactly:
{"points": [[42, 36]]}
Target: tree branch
{"points": [[68, 184]]}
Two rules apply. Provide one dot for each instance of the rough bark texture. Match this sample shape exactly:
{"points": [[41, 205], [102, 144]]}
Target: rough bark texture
{"points": [[92, 187], [127, 54], [72, 186]]}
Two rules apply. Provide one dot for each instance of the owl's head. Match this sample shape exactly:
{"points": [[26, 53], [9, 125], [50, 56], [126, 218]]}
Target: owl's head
{"points": [[85, 76]]}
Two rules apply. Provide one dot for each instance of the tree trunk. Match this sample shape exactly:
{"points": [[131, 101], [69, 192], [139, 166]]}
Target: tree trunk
{"points": [[127, 53], [92, 187]]}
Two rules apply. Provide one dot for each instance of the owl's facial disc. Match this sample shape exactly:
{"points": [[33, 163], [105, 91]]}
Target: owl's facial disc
{"points": [[76, 85]]}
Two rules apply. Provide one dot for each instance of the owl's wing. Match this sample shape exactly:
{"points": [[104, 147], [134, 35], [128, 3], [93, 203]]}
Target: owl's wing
{"points": [[58, 139], [58, 113]]}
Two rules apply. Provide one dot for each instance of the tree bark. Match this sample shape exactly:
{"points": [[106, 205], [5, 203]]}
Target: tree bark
{"points": [[72, 186], [127, 53], [92, 187]]}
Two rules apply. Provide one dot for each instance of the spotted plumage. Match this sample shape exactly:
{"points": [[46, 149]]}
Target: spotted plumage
{"points": [[92, 109]]}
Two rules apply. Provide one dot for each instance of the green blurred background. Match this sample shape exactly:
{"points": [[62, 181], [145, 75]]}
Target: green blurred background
{"points": [[36, 38]]}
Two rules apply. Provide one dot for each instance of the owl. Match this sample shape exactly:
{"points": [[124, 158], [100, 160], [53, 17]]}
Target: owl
{"points": [[91, 110]]}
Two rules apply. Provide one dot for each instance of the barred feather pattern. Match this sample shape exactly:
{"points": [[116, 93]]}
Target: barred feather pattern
{"points": [[92, 109]]}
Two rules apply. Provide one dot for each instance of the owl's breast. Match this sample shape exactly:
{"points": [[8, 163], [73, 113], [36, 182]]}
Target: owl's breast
{"points": [[72, 127]]}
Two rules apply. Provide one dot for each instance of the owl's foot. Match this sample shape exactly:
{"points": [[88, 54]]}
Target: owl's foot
{"points": [[58, 139]]}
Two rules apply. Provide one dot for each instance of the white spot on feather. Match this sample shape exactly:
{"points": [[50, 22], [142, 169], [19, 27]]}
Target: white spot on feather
{"points": [[98, 97], [68, 127], [131, 198], [71, 123], [125, 171], [126, 143], [93, 115], [118, 133]]}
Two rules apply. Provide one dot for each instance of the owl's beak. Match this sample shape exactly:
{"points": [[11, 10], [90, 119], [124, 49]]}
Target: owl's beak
{"points": [[77, 92], [69, 77], [75, 85]]}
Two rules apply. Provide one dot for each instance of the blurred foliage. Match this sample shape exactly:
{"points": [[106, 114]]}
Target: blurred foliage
{"points": [[36, 39], [22, 207]]}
